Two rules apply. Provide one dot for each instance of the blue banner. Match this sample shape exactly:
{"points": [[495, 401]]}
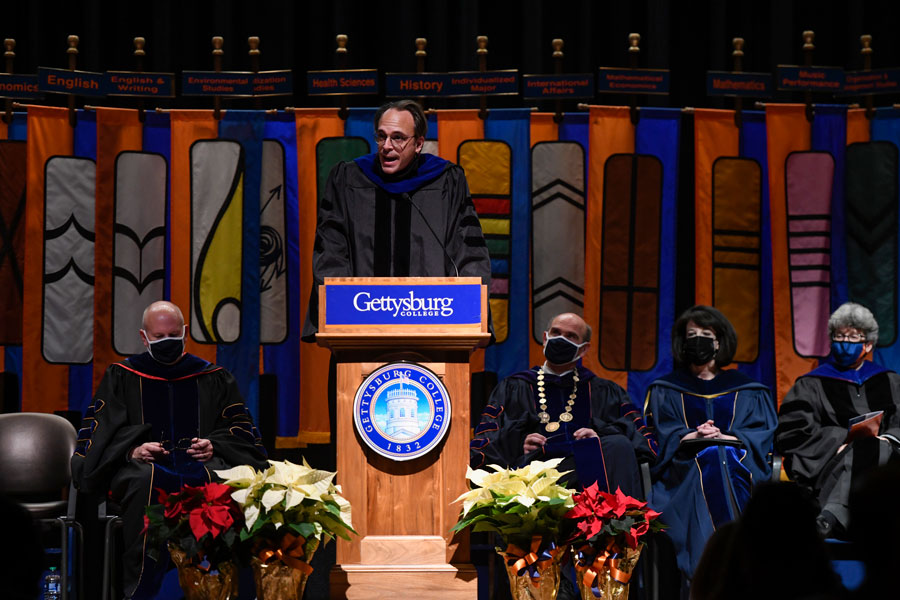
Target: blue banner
{"points": [[810, 79], [437, 304], [726, 83], [340, 83], [633, 81], [558, 86], [124, 83], [463, 83], [63, 81]]}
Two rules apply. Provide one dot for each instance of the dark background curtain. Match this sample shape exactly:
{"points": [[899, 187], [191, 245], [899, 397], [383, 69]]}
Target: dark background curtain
{"points": [[688, 37]]}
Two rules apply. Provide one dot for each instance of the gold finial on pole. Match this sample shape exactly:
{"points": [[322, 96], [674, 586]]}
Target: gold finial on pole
{"points": [[341, 40], [482, 42], [139, 43], [557, 44], [809, 36], [421, 44], [634, 39], [253, 42]]}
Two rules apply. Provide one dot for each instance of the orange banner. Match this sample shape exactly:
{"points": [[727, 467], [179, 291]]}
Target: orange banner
{"points": [[858, 128], [454, 128], [788, 131], [715, 135], [45, 386], [188, 126], [611, 132], [312, 126], [117, 130], [543, 129]]}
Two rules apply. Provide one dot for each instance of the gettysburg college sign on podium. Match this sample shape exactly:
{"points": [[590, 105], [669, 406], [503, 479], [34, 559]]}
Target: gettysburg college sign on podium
{"points": [[402, 349]]}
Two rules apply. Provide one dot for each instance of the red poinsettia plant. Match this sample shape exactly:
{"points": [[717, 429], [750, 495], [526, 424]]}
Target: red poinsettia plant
{"points": [[204, 522], [604, 520]]}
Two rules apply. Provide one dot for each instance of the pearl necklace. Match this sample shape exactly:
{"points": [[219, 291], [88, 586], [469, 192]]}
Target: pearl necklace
{"points": [[566, 415]]}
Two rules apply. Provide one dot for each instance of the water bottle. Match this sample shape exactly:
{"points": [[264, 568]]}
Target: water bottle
{"points": [[51, 585]]}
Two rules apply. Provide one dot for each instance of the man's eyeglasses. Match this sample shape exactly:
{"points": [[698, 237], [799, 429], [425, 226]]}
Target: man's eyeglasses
{"points": [[848, 337], [398, 140]]}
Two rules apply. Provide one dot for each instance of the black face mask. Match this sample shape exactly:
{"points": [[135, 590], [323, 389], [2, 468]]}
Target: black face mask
{"points": [[560, 351], [699, 350], [167, 350]]}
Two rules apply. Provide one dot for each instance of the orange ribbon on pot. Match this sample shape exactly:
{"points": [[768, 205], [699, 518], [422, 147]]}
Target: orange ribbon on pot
{"points": [[533, 560], [290, 553], [608, 558]]}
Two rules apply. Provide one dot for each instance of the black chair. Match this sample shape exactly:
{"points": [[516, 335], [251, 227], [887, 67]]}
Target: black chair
{"points": [[35, 454]]}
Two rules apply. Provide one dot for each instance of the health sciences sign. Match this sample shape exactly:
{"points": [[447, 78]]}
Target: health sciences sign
{"points": [[403, 304]]}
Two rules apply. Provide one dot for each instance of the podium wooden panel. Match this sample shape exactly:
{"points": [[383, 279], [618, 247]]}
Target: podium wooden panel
{"points": [[402, 510]]}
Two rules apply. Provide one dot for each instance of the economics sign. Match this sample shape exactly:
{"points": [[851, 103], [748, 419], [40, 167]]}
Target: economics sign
{"points": [[402, 411], [436, 304]]}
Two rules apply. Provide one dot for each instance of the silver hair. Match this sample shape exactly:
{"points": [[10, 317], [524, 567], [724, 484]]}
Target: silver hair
{"points": [[857, 316]]}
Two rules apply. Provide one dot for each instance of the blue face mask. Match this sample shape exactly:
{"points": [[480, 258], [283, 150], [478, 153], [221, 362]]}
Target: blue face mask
{"points": [[846, 354]]}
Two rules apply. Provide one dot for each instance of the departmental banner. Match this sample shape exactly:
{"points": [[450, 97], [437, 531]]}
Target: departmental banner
{"points": [[12, 239]]}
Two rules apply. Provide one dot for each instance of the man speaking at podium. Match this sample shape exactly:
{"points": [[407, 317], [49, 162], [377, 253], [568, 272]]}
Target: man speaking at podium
{"points": [[396, 213]]}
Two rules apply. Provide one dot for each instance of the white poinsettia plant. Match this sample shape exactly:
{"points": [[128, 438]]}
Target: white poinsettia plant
{"points": [[289, 501], [516, 503]]}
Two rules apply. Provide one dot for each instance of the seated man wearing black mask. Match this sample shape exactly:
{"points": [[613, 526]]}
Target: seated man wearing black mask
{"points": [[161, 419], [561, 409]]}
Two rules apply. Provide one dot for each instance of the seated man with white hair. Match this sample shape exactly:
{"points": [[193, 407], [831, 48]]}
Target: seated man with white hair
{"points": [[815, 418]]}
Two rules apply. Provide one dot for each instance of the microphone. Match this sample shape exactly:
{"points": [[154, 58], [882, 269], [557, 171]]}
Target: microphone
{"points": [[439, 241]]}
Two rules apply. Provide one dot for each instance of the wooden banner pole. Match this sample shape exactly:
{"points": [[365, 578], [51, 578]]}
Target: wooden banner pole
{"points": [[482, 52], [217, 53], [809, 47], [254, 52], [634, 53], [737, 56], [72, 53], [340, 58], [558, 56], [866, 51], [421, 54], [139, 54], [10, 56]]}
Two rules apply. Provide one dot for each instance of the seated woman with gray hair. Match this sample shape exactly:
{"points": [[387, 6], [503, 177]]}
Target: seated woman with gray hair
{"points": [[823, 446]]}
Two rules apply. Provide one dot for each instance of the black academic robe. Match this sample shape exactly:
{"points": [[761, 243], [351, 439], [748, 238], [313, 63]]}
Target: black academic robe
{"points": [[611, 459], [368, 227], [700, 485], [140, 400], [813, 424]]}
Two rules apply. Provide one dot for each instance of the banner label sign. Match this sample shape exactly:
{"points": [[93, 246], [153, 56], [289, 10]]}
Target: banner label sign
{"points": [[463, 83], [342, 83], [64, 81], [558, 86], [633, 81], [125, 83], [809, 79], [727, 83], [20, 87]]}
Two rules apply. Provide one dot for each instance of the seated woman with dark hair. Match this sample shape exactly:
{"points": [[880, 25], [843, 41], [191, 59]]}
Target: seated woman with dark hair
{"points": [[715, 430]]}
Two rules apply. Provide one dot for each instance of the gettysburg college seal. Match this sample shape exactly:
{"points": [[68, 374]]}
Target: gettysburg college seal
{"points": [[402, 410]]}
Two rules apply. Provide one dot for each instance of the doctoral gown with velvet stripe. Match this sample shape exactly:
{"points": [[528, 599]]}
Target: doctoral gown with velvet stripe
{"points": [[813, 423], [512, 413], [700, 488]]}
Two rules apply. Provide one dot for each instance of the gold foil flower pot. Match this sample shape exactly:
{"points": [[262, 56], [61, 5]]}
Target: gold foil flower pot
{"points": [[533, 573], [604, 574], [200, 583]]}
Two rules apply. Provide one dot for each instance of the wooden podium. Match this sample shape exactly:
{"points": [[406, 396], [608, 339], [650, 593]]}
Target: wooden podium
{"points": [[402, 509]]}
